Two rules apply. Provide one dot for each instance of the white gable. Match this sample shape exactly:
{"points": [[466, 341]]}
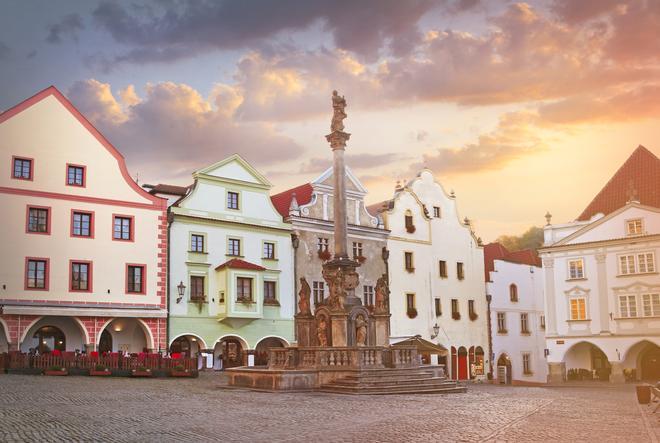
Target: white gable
{"points": [[233, 170], [613, 226]]}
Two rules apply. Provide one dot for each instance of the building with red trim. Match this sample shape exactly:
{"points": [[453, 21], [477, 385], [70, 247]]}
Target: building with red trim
{"points": [[84, 260]]}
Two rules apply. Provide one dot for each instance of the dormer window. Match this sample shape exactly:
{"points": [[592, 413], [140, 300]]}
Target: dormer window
{"points": [[634, 227], [436, 212], [232, 200]]}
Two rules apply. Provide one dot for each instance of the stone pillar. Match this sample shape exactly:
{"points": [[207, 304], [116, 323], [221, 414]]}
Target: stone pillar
{"points": [[90, 347], [382, 325], [616, 376], [603, 298], [550, 304], [556, 372], [12, 347], [250, 360], [339, 203], [305, 332], [339, 329]]}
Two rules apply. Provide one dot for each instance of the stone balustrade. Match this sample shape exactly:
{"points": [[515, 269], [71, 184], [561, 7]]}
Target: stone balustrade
{"points": [[343, 357]]}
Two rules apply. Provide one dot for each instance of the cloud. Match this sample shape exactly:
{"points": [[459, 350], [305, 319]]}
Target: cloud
{"points": [[187, 29], [572, 11], [69, 26], [353, 161], [512, 139], [174, 124]]}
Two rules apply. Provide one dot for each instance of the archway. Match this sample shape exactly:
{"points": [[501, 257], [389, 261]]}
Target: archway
{"points": [[4, 338], [462, 363], [478, 368], [65, 334], [454, 364], [504, 374], [126, 335], [261, 353], [186, 345], [229, 352], [649, 363], [586, 361]]}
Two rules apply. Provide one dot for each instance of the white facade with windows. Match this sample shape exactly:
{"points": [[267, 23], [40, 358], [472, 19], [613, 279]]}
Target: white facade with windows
{"points": [[518, 322], [437, 275], [602, 289]]}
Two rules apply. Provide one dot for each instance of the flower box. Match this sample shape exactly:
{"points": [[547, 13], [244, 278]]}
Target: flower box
{"points": [[411, 229], [179, 373], [456, 315], [56, 372], [324, 255], [361, 259], [141, 373], [95, 373], [412, 313]]}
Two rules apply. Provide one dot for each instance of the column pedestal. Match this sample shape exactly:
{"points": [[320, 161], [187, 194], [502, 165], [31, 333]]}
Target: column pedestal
{"points": [[382, 324], [339, 329], [305, 330], [556, 372], [616, 376]]}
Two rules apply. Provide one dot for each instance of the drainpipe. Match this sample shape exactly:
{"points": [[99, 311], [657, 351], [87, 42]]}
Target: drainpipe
{"points": [[170, 220], [295, 242], [490, 338], [385, 255]]}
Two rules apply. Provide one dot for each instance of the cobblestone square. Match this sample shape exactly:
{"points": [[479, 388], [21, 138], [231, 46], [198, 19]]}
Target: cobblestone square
{"points": [[38, 408]]}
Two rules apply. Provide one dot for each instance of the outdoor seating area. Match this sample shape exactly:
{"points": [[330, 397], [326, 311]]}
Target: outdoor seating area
{"points": [[110, 364]]}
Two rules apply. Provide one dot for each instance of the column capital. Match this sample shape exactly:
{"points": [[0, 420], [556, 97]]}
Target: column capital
{"points": [[548, 262], [600, 258]]}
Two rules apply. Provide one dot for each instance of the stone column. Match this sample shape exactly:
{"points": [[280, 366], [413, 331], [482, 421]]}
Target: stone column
{"points": [[550, 303], [616, 376], [338, 141], [603, 296], [556, 372]]}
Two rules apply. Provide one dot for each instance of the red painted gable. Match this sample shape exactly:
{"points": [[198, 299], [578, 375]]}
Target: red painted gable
{"points": [[236, 263], [282, 201]]}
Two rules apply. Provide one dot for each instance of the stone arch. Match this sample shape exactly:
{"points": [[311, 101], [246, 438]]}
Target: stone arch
{"points": [[62, 323], [504, 376], [146, 330], [641, 361], [284, 341], [261, 353], [5, 330], [589, 360], [200, 340], [243, 341], [626, 354], [229, 354], [351, 333]]}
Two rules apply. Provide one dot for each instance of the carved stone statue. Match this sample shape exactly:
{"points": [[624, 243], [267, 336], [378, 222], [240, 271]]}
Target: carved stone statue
{"points": [[382, 295], [303, 297], [339, 106], [322, 331], [360, 331]]}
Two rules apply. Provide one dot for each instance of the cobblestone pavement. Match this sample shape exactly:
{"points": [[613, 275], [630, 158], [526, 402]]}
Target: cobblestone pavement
{"points": [[37, 408]]}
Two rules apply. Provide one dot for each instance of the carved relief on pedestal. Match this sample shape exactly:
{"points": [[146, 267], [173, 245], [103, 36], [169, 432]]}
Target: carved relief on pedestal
{"points": [[322, 330], [340, 280]]}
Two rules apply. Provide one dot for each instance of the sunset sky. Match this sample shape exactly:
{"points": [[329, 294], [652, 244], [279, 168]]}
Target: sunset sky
{"points": [[520, 108]]}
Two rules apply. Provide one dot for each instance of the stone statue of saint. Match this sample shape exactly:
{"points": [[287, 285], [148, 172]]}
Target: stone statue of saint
{"points": [[303, 297], [339, 107], [360, 330], [382, 295], [322, 331]]}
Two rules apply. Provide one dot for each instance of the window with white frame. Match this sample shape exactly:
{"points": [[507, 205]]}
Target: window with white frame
{"points": [[196, 243], [628, 306], [232, 200], [501, 323], [357, 249], [524, 323], [527, 363], [322, 244], [575, 269], [318, 291], [578, 308], [651, 305], [542, 321], [634, 227], [645, 262], [368, 295], [269, 250], [234, 247], [642, 263]]}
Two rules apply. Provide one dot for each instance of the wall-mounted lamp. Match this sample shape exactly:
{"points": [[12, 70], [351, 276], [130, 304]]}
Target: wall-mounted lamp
{"points": [[182, 290], [436, 331], [4, 286]]}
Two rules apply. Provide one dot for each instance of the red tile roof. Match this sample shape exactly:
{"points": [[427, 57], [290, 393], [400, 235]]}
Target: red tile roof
{"points": [[377, 208], [282, 201], [638, 177], [162, 188], [495, 251], [237, 263]]}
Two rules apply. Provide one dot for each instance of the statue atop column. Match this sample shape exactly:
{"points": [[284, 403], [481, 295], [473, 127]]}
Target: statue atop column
{"points": [[382, 295], [339, 108]]}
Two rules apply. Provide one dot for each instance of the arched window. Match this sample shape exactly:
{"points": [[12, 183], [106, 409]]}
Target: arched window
{"points": [[513, 292]]}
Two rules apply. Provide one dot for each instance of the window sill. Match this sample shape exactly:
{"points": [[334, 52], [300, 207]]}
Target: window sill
{"points": [[273, 303], [198, 252], [528, 374], [583, 320], [577, 279], [234, 256], [637, 274], [527, 333], [410, 270], [269, 259], [502, 332], [650, 317]]}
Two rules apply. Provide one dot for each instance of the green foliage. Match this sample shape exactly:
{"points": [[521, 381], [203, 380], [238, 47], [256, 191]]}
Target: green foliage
{"points": [[530, 239]]}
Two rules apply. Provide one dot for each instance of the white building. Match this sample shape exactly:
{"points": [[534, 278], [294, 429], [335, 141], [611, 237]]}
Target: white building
{"points": [[602, 285], [84, 247], [515, 285], [436, 269], [231, 285]]}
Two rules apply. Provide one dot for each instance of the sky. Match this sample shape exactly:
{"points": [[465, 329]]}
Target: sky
{"points": [[519, 108]]}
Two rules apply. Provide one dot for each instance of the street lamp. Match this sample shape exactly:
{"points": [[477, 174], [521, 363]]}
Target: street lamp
{"points": [[436, 331], [182, 290]]}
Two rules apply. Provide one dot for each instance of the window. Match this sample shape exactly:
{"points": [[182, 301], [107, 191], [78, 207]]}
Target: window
{"points": [[269, 250], [81, 276], [318, 290], [634, 227], [410, 302], [75, 175], [135, 279], [455, 314], [408, 260], [408, 221], [36, 274], [542, 322], [357, 249], [438, 307], [471, 312], [436, 212], [322, 244], [243, 289], [501, 323], [22, 168], [524, 323], [82, 224], [575, 269], [443, 268], [232, 200], [527, 365], [196, 288], [270, 295], [368, 295], [234, 247], [460, 273], [513, 292], [651, 305], [636, 263], [628, 306], [38, 220], [196, 243], [578, 309], [123, 228]]}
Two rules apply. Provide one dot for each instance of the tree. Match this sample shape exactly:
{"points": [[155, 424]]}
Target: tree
{"points": [[530, 239]]}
